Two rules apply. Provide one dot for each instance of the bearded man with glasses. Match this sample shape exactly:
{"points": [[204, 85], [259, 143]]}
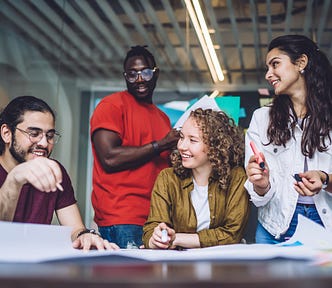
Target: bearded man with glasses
{"points": [[131, 142], [32, 185]]}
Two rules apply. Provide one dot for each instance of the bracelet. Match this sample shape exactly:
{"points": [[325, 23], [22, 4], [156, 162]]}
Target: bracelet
{"points": [[91, 231], [266, 189], [327, 180], [155, 146]]}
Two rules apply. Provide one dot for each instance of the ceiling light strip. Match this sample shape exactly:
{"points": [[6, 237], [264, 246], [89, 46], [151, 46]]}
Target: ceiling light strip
{"points": [[204, 39], [208, 40], [214, 94], [201, 39]]}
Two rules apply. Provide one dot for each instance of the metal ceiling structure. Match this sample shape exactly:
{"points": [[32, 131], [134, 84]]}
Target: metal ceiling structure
{"points": [[87, 39]]}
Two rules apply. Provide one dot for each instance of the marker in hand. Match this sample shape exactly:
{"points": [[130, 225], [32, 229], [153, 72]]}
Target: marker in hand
{"points": [[59, 186], [297, 178], [256, 152], [164, 235]]}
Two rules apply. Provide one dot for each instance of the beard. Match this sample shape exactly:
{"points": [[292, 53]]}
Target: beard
{"points": [[21, 155], [145, 96], [18, 154]]}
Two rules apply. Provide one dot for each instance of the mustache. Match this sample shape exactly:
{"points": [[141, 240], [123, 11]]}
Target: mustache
{"points": [[37, 147]]}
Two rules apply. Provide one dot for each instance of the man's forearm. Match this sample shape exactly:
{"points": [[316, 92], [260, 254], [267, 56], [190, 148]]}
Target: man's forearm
{"points": [[7, 206], [9, 194], [128, 157]]}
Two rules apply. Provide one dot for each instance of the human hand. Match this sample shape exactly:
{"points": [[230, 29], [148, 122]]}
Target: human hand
{"points": [[170, 140], [157, 240], [89, 241], [41, 172], [311, 183], [257, 176]]}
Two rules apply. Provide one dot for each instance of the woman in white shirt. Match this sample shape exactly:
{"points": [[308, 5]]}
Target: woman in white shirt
{"points": [[293, 135]]}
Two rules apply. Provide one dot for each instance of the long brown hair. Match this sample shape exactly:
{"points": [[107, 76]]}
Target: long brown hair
{"points": [[318, 79]]}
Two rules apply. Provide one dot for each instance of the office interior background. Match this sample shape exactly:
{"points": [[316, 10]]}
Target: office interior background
{"points": [[70, 53]]}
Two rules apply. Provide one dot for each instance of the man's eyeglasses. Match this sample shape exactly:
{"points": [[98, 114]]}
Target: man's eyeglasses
{"points": [[36, 134], [146, 74]]}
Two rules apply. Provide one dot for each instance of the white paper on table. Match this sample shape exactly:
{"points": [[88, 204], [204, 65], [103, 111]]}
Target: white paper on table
{"points": [[310, 234], [226, 252], [35, 243], [22, 242]]}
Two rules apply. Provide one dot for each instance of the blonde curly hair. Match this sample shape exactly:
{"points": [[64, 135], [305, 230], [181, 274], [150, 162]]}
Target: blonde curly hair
{"points": [[225, 143]]}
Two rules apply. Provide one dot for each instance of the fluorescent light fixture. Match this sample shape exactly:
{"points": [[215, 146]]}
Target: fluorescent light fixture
{"points": [[214, 94], [197, 18]]}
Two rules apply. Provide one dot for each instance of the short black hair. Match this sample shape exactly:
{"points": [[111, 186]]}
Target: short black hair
{"points": [[139, 51], [13, 113]]}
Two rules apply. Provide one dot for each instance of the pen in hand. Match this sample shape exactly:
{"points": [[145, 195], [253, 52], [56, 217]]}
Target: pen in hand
{"points": [[297, 177], [256, 152], [59, 186], [164, 235]]}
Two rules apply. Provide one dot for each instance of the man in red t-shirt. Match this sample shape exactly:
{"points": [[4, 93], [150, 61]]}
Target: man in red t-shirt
{"points": [[131, 140], [33, 186]]}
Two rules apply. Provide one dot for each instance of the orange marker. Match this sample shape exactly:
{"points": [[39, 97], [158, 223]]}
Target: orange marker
{"points": [[256, 152]]}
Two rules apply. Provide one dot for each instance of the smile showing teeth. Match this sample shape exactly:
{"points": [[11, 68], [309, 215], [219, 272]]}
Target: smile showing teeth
{"points": [[38, 153], [141, 88], [185, 156], [274, 82]]}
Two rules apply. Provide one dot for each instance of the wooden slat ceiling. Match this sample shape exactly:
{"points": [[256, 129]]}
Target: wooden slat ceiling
{"points": [[87, 39]]}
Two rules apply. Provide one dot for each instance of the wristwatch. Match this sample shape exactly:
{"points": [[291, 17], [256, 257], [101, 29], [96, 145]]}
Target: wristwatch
{"points": [[327, 180]]}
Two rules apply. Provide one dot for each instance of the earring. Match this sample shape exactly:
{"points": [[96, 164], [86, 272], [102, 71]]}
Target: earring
{"points": [[302, 71]]}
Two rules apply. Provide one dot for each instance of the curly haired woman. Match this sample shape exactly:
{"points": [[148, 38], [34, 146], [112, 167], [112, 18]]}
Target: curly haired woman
{"points": [[201, 201]]}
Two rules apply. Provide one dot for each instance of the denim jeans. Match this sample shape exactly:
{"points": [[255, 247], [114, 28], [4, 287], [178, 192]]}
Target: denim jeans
{"points": [[124, 235], [309, 211]]}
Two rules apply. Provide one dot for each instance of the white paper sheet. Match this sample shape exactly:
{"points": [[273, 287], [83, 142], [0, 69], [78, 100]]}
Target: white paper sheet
{"points": [[205, 103], [21, 242], [33, 243], [311, 234]]}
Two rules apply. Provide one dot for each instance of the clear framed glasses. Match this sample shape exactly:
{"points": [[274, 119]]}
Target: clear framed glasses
{"points": [[146, 74], [36, 134]]}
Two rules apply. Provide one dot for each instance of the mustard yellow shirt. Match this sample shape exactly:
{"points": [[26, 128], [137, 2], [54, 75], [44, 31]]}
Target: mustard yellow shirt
{"points": [[171, 204]]}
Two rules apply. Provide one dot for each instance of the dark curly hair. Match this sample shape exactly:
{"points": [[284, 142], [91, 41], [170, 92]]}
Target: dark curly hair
{"points": [[140, 51], [225, 142], [318, 79]]}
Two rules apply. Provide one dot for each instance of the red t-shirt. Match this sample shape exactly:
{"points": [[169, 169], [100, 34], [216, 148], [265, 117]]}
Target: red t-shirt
{"points": [[38, 207], [124, 197]]}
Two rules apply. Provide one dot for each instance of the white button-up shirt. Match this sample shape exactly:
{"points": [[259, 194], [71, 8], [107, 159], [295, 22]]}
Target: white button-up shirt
{"points": [[277, 206]]}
